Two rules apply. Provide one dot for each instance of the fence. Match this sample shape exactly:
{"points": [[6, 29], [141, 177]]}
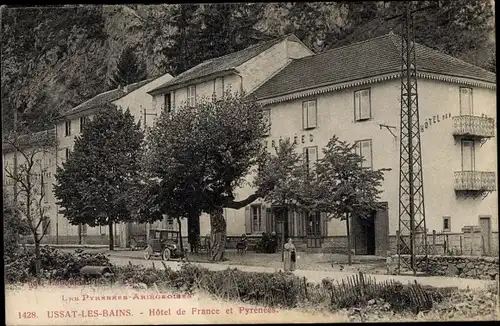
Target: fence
{"points": [[462, 244]]}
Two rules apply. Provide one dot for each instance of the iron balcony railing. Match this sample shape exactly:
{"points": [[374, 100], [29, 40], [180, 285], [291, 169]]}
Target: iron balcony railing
{"points": [[474, 181], [473, 126]]}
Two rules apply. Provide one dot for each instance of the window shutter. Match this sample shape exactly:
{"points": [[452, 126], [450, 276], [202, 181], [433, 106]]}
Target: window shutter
{"points": [[248, 220], [356, 106], [357, 148], [312, 158], [465, 101], [304, 115], [263, 212], [365, 104], [311, 114], [367, 153], [301, 220], [324, 225], [270, 220]]}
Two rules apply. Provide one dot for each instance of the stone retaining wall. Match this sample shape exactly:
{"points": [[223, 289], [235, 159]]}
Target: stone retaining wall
{"points": [[485, 268]]}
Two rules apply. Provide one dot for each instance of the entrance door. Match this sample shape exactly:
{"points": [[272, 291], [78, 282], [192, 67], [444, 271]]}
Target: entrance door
{"points": [[485, 224], [314, 230]]}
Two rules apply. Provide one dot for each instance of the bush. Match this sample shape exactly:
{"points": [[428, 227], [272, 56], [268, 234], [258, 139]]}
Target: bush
{"points": [[56, 265], [277, 289]]}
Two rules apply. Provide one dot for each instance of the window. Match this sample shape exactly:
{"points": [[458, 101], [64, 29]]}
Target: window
{"points": [[83, 120], [313, 224], [364, 149], [256, 218], [309, 114], [311, 157], [267, 120], [67, 128], [362, 105], [168, 102], [468, 155], [446, 223], [67, 153], [465, 101], [170, 222], [191, 95]]}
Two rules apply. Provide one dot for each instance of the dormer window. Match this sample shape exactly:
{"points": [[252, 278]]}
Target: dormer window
{"points": [[191, 95]]}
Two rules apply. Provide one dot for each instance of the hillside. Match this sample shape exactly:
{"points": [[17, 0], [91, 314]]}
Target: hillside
{"points": [[54, 58]]}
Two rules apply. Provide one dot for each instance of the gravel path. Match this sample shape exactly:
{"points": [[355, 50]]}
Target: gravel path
{"points": [[317, 276]]}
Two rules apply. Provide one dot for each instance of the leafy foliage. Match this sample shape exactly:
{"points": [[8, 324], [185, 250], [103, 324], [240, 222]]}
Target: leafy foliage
{"points": [[55, 265], [129, 69], [95, 185], [283, 175], [201, 154], [13, 227], [342, 186]]}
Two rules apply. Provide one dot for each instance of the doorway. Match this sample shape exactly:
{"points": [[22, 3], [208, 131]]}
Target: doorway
{"points": [[371, 236], [363, 231], [485, 224]]}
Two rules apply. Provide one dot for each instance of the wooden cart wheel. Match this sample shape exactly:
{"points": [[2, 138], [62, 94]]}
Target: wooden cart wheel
{"points": [[148, 253], [166, 254]]}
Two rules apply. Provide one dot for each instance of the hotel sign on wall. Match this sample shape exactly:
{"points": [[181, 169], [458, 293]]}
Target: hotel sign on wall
{"points": [[434, 119], [296, 140]]}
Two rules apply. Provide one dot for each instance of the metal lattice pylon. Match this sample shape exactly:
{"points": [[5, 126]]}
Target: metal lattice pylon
{"points": [[412, 239]]}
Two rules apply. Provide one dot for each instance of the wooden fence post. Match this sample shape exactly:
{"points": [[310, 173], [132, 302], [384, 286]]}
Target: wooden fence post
{"points": [[433, 242], [461, 252]]}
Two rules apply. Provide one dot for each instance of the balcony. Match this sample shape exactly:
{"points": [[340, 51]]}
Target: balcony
{"points": [[474, 181], [474, 127]]}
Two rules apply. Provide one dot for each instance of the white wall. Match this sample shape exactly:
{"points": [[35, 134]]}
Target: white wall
{"points": [[440, 155]]}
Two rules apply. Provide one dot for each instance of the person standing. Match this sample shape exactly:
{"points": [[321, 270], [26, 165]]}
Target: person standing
{"points": [[290, 256]]}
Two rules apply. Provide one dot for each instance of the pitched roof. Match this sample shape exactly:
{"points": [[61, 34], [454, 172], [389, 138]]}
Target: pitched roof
{"points": [[373, 57], [107, 97], [25, 140], [222, 64]]}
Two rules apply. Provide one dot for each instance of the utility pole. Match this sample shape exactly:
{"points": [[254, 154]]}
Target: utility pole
{"points": [[145, 115], [412, 227]]}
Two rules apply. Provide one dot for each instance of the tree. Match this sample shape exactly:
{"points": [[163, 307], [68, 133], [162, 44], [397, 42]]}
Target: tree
{"points": [[97, 183], [129, 69], [205, 31], [342, 188], [29, 176], [201, 155], [284, 177], [13, 226]]}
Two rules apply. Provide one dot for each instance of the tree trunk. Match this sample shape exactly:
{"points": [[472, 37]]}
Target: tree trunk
{"points": [[111, 238], [349, 258], [38, 262], [181, 246], [193, 230], [217, 234]]}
